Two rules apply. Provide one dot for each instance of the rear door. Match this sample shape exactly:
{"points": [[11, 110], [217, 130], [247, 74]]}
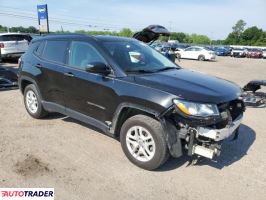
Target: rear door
{"points": [[50, 67], [197, 52]]}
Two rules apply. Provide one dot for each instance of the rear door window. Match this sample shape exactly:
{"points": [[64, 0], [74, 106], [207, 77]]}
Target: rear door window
{"points": [[8, 38], [55, 50]]}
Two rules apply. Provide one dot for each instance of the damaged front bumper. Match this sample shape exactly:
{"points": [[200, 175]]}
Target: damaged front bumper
{"points": [[221, 134], [211, 149], [202, 137]]}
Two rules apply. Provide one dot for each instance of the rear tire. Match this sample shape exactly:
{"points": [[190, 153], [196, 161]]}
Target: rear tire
{"points": [[201, 58], [32, 102], [143, 142], [178, 56]]}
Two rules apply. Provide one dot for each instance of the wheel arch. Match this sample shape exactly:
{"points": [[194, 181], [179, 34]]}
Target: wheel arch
{"points": [[127, 110], [201, 56], [24, 81]]}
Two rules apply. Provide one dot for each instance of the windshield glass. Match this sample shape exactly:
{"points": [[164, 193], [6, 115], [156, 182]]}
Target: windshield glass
{"points": [[135, 56], [207, 48]]}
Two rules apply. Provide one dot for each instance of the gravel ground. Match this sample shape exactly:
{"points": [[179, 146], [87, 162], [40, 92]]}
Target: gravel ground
{"points": [[81, 163]]}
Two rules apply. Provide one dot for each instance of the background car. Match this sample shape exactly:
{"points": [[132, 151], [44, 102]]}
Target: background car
{"points": [[196, 52], [264, 53], [13, 45], [222, 51], [238, 52], [254, 53]]}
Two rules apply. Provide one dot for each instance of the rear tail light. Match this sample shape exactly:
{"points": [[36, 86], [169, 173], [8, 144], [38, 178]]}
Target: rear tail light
{"points": [[2, 45]]}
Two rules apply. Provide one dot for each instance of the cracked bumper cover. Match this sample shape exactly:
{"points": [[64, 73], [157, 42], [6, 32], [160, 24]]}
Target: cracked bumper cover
{"points": [[221, 134]]}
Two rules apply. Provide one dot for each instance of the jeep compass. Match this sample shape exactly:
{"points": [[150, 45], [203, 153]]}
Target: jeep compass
{"points": [[130, 92]]}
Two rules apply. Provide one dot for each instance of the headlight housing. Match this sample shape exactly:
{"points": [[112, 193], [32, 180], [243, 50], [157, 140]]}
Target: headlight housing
{"points": [[196, 109]]}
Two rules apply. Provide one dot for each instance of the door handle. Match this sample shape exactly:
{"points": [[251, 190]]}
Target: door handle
{"points": [[38, 66], [69, 74]]}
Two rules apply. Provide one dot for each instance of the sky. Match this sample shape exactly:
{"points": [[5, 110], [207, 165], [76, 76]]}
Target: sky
{"points": [[213, 18]]}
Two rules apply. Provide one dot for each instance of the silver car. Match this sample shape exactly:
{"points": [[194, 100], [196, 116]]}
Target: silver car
{"points": [[13, 45]]}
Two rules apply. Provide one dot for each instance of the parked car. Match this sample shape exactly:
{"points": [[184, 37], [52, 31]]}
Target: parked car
{"points": [[221, 51], [180, 46], [195, 52], [254, 53], [264, 53], [238, 52], [13, 45], [132, 92]]}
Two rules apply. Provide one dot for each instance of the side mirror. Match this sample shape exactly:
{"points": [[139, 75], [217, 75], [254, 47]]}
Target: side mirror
{"points": [[98, 68]]}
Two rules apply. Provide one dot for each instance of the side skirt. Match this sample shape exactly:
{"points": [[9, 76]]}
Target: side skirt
{"points": [[53, 107]]}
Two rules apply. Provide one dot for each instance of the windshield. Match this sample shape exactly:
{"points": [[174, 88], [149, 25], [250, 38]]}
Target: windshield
{"points": [[207, 48], [135, 56]]}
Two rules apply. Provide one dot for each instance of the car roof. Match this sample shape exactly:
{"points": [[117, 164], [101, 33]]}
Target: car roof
{"points": [[82, 36], [197, 47], [13, 34], [107, 38]]}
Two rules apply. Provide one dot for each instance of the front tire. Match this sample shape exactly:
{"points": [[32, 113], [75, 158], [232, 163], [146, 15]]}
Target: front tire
{"points": [[32, 102], [143, 142], [201, 58]]}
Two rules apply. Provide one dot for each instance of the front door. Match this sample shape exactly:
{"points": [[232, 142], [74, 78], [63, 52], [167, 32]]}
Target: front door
{"points": [[87, 93], [189, 53]]}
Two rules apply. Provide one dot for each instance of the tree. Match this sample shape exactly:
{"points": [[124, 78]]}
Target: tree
{"points": [[239, 27], [179, 36], [32, 29], [251, 35], [163, 38], [262, 40], [126, 32], [199, 39], [231, 39], [235, 36]]}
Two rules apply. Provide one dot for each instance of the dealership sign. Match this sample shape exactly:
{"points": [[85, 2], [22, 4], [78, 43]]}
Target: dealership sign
{"points": [[43, 18]]}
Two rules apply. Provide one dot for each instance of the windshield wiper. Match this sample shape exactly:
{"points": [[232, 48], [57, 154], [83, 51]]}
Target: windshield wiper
{"points": [[140, 71], [166, 68]]}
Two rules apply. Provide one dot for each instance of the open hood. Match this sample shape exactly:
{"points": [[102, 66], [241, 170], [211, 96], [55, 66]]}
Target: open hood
{"points": [[151, 33]]}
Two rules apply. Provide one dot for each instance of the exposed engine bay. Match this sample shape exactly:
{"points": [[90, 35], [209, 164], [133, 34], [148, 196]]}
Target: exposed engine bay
{"points": [[202, 136]]}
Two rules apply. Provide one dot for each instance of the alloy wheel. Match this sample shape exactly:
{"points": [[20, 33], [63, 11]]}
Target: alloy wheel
{"points": [[140, 143]]}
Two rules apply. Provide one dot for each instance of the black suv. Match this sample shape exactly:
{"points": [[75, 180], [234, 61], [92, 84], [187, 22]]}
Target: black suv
{"points": [[131, 92]]}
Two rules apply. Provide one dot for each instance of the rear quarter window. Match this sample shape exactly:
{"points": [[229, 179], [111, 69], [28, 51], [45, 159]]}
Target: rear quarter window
{"points": [[55, 50], [39, 48]]}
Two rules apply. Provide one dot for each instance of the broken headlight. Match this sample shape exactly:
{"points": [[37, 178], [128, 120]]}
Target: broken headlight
{"points": [[196, 109]]}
